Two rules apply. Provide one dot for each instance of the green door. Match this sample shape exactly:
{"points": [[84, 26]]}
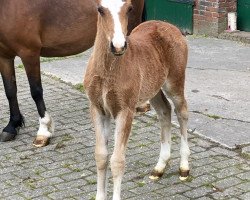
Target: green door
{"points": [[177, 12], [243, 15]]}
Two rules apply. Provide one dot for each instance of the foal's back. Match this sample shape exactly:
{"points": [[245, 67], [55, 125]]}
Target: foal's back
{"points": [[161, 55]]}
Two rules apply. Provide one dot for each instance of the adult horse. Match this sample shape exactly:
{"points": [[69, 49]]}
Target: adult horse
{"points": [[30, 29]]}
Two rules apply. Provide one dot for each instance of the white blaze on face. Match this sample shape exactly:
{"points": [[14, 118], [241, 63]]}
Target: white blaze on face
{"points": [[114, 7]]}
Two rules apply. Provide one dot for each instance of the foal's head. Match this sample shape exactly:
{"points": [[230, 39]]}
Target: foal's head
{"points": [[113, 16]]}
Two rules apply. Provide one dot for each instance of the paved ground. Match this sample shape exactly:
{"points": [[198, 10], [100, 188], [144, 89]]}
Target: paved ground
{"points": [[66, 169], [240, 36]]}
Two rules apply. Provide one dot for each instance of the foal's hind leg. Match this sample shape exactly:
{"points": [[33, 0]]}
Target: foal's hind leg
{"points": [[177, 96], [46, 128], [163, 110], [9, 80]]}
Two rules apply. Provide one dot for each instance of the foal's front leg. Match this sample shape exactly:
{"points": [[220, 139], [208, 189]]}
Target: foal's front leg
{"points": [[122, 132], [102, 130], [46, 128]]}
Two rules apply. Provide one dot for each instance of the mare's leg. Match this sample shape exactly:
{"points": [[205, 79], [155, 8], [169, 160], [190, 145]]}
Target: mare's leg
{"points": [[32, 66], [102, 130], [122, 132], [163, 110], [176, 93], [9, 80]]}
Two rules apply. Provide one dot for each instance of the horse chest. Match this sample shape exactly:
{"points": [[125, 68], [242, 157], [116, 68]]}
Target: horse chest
{"points": [[103, 96]]}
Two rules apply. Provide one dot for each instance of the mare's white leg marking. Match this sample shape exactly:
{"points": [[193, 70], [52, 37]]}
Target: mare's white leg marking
{"points": [[46, 127], [115, 6]]}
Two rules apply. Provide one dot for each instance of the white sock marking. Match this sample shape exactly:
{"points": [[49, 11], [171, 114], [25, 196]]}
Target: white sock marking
{"points": [[185, 152], [164, 157], [46, 127]]}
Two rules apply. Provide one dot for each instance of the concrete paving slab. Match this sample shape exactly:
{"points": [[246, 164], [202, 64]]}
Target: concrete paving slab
{"points": [[218, 87]]}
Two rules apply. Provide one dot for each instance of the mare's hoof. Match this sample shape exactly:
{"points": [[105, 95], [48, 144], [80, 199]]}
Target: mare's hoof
{"points": [[143, 109], [184, 175], [4, 136], [41, 141], [155, 175]]}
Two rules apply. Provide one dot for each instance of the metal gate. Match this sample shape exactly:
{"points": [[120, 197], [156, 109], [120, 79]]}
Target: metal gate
{"points": [[243, 15], [177, 12]]}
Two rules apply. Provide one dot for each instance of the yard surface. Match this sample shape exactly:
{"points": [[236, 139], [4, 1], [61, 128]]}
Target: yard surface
{"points": [[66, 168]]}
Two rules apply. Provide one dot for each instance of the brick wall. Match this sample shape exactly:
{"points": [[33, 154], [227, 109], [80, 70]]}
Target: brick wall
{"points": [[210, 16]]}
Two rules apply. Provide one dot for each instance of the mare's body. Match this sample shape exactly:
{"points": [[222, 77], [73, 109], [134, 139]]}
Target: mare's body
{"points": [[30, 29]]}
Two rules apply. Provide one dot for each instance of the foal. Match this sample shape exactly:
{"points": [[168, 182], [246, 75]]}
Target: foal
{"points": [[123, 73]]}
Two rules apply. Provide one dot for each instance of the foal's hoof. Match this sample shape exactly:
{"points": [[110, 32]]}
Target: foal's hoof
{"points": [[4, 137], [155, 175], [183, 175], [41, 141]]}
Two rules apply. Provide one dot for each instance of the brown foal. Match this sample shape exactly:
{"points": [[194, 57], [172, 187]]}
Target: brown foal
{"points": [[124, 72]]}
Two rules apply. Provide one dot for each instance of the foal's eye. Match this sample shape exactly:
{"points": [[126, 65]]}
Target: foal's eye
{"points": [[130, 8], [101, 10]]}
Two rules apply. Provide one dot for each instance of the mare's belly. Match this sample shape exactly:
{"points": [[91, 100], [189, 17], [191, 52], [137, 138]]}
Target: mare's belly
{"points": [[67, 49]]}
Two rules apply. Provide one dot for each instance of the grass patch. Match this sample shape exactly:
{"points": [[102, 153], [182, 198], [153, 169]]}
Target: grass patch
{"points": [[37, 172], [189, 179], [51, 59], [208, 115], [91, 182], [174, 138], [141, 184], [209, 185], [20, 66], [142, 145], [67, 137], [213, 116], [245, 155], [76, 170], [30, 183], [92, 198], [66, 165], [60, 145], [79, 87]]}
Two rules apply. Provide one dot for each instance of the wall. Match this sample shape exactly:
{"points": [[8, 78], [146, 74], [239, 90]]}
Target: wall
{"points": [[210, 16]]}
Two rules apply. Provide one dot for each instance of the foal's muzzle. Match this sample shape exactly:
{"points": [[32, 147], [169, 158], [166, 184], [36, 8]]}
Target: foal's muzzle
{"points": [[118, 51]]}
